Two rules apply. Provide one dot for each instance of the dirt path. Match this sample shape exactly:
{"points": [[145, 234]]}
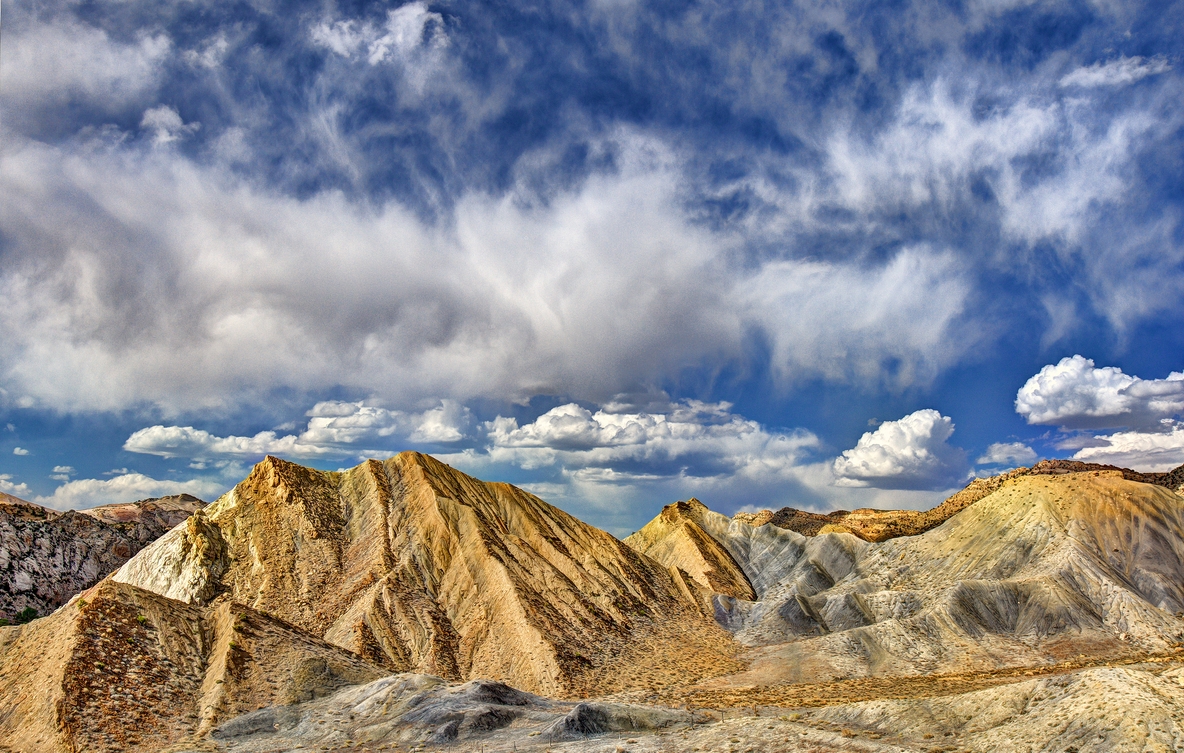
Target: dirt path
{"points": [[812, 695]]}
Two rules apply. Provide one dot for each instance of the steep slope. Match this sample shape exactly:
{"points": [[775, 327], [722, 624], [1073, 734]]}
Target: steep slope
{"points": [[122, 669], [1045, 567], [47, 556], [422, 568], [677, 538]]}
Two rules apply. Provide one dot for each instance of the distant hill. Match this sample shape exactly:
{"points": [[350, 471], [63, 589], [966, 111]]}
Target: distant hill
{"points": [[881, 525], [47, 556]]}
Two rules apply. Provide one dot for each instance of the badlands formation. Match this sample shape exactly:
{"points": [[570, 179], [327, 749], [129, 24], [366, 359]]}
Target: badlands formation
{"points": [[403, 605], [48, 556]]}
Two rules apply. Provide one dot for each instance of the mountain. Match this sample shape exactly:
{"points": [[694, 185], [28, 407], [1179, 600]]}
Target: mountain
{"points": [[418, 567], [395, 604], [1045, 567], [47, 556]]}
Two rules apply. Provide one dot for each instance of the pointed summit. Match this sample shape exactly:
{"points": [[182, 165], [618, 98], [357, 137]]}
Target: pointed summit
{"points": [[419, 567]]}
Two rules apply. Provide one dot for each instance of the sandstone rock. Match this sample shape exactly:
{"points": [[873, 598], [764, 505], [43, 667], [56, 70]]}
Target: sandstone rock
{"points": [[123, 669], [421, 568]]}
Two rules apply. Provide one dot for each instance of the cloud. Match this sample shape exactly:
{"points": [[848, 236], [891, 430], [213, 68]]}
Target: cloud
{"points": [[166, 125], [1008, 453], [62, 472], [19, 451], [910, 453], [335, 429], [1118, 72], [1142, 451], [447, 423], [85, 493], [17, 490], [694, 438], [188, 442], [413, 38], [1075, 394], [65, 63]]}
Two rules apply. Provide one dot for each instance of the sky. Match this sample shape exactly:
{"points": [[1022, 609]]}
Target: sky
{"points": [[616, 252]]}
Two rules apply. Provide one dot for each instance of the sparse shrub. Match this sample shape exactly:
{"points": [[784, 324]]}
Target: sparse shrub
{"points": [[4, 622], [26, 615], [141, 619]]}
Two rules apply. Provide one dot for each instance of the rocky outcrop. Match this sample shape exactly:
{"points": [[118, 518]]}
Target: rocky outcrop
{"points": [[421, 568], [47, 556]]}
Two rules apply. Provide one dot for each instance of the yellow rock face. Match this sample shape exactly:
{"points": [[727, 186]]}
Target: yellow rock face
{"points": [[418, 567], [677, 538]]}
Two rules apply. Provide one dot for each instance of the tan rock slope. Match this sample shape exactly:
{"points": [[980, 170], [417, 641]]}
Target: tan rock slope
{"points": [[418, 567], [123, 669], [47, 556], [677, 538]]}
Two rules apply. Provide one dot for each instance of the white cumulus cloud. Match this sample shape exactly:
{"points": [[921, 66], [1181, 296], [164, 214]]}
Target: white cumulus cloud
{"points": [[1140, 450], [8, 486], [1008, 453], [19, 451], [130, 487], [1074, 393], [911, 453], [653, 444], [335, 428]]}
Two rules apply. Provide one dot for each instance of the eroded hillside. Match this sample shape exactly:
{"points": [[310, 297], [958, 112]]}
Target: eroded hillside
{"points": [[1045, 567], [418, 567]]}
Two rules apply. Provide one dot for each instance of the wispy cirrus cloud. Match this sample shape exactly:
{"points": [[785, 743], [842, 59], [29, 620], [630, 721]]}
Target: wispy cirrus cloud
{"points": [[1118, 72]]}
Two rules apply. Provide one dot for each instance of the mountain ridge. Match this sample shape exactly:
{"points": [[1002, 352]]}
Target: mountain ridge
{"points": [[47, 556]]}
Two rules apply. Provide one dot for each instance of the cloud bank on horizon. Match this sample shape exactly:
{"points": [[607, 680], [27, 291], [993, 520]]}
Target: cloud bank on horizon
{"points": [[614, 252]]}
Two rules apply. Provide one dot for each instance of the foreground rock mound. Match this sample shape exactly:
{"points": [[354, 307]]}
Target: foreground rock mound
{"points": [[420, 568], [47, 556], [123, 669]]}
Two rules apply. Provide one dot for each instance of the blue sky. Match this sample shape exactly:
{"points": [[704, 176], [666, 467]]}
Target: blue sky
{"points": [[620, 253]]}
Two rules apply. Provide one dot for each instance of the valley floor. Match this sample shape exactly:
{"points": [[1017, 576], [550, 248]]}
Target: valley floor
{"points": [[1132, 703]]}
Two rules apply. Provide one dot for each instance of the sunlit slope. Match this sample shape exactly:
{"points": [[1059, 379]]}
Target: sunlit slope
{"points": [[422, 568], [123, 669]]}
